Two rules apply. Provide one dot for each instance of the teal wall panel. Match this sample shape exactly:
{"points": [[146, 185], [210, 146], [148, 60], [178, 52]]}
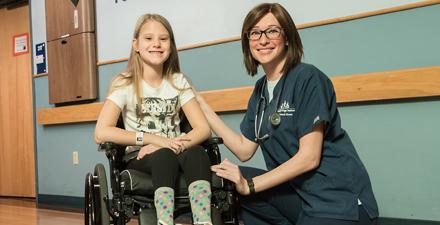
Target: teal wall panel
{"points": [[397, 141], [106, 74], [55, 143], [392, 41], [398, 144], [216, 67]]}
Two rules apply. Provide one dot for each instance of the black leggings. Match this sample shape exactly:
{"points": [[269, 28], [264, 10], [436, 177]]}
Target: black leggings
{"points": [[164, 166]]}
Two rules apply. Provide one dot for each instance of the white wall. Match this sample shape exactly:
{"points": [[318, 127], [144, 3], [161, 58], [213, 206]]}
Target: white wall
{"points": [[195, 21]]}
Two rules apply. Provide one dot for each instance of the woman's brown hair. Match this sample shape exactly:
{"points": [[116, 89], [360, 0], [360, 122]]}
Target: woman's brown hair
{"points": [[294, 51]]}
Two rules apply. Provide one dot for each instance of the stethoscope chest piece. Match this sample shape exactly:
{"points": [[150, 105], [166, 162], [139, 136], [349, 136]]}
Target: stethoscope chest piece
{"points": [[275, 119]]}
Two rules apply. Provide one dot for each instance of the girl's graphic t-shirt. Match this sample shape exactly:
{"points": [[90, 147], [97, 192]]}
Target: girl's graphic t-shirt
{"points": [[159, 107]]}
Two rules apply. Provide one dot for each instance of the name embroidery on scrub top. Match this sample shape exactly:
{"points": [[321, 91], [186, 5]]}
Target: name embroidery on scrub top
{"points": [[285, 109]]}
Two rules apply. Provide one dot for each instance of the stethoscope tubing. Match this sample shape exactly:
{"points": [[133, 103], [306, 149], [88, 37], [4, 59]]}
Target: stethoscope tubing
{"points": [[257, 130], [275, 114]]}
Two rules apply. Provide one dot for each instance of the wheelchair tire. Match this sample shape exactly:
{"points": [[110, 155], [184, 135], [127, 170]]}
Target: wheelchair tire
{"points": [[102, 216], [89, 202]]}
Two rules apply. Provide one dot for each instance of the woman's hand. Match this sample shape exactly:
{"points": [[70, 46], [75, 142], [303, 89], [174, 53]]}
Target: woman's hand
{"points": [[230, 171]]}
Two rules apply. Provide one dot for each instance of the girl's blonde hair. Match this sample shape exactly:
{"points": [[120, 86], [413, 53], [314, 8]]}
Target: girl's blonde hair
{"points": [[134, 70]]}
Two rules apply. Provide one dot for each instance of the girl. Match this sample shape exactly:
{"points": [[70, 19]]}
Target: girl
{"points": [[150, 94], [315, 175]]}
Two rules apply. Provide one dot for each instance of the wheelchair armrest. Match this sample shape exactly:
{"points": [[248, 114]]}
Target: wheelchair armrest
{"points": [[107, 146], [212, 141], [211, 146], [114, 152], [111, 148], [216, 140]]}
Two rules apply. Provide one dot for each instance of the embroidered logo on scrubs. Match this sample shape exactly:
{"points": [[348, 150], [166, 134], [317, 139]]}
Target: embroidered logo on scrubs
{"points": [[285, 109]]}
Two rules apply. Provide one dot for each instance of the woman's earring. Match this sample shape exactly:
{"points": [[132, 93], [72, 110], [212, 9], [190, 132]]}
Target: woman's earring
{"points": [[287, 43]]}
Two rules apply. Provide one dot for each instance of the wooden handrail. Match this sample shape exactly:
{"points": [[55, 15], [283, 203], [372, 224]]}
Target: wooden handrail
{"points": [[387, 85], [395, 84]]}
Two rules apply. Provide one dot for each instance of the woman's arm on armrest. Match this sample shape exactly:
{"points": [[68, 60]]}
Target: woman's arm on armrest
{"points": [[307, 159], [243, 148], [200, 128]]}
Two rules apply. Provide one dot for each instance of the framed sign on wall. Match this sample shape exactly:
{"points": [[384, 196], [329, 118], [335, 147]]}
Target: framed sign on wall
{"points": [[20, 44]]}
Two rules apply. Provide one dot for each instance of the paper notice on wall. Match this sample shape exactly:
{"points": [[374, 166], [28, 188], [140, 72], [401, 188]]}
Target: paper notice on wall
{"points": [[21, 44], [40, 58]]}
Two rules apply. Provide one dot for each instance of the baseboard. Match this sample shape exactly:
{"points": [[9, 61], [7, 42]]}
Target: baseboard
{"points": [[61, 202], [397, 221]]}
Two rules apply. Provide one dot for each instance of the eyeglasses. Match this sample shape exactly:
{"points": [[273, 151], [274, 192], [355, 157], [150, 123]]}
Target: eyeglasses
{"points": [[271, 33]]}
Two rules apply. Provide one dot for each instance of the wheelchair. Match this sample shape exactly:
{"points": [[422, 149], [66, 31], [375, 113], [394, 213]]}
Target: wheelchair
{"points": [[133, 194]]}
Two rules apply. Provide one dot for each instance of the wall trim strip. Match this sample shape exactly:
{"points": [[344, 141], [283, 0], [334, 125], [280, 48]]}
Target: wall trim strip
{"points": [[40, 75]]}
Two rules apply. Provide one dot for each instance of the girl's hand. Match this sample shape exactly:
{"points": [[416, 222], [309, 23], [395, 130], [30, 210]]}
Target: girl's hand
{"points": [[230, 171], [147, 149], [176, 144]]}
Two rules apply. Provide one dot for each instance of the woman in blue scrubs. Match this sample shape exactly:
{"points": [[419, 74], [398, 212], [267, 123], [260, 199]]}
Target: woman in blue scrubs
{"points": [[314, 174]]}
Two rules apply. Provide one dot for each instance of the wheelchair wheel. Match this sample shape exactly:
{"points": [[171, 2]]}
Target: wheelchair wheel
{"points": [[89, 201], [102, 216]]}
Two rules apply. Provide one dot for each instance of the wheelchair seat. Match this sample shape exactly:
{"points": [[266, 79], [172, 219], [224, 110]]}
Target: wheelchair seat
{"points": [[140, 183], [133, 192]]}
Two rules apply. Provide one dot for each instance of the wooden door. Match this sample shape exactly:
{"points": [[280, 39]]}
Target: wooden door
{"points": [[17, 160]]}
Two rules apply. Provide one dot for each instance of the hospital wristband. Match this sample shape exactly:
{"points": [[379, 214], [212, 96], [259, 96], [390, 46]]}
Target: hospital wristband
{"points": [[139, 138], [251, 186]]}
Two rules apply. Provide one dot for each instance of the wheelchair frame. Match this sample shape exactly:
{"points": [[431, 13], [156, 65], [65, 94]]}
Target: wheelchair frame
{"points": [[100, 209]]}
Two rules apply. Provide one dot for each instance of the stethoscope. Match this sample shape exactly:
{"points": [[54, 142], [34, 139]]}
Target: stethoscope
{"points": [[274, 117]]}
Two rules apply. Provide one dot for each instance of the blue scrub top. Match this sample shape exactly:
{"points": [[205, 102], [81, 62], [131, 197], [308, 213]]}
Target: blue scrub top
{"points": [[308, 98]]}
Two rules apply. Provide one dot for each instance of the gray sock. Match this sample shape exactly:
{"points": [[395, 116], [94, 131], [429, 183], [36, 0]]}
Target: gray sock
{"points": [[200, 199], [164, 202]]}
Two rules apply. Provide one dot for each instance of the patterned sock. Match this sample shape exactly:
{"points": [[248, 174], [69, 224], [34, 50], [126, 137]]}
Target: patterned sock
{"points": [[200, 198], [164, 202]]}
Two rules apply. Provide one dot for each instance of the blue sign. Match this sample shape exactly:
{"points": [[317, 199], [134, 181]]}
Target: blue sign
{"points": [[40, 58]]}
